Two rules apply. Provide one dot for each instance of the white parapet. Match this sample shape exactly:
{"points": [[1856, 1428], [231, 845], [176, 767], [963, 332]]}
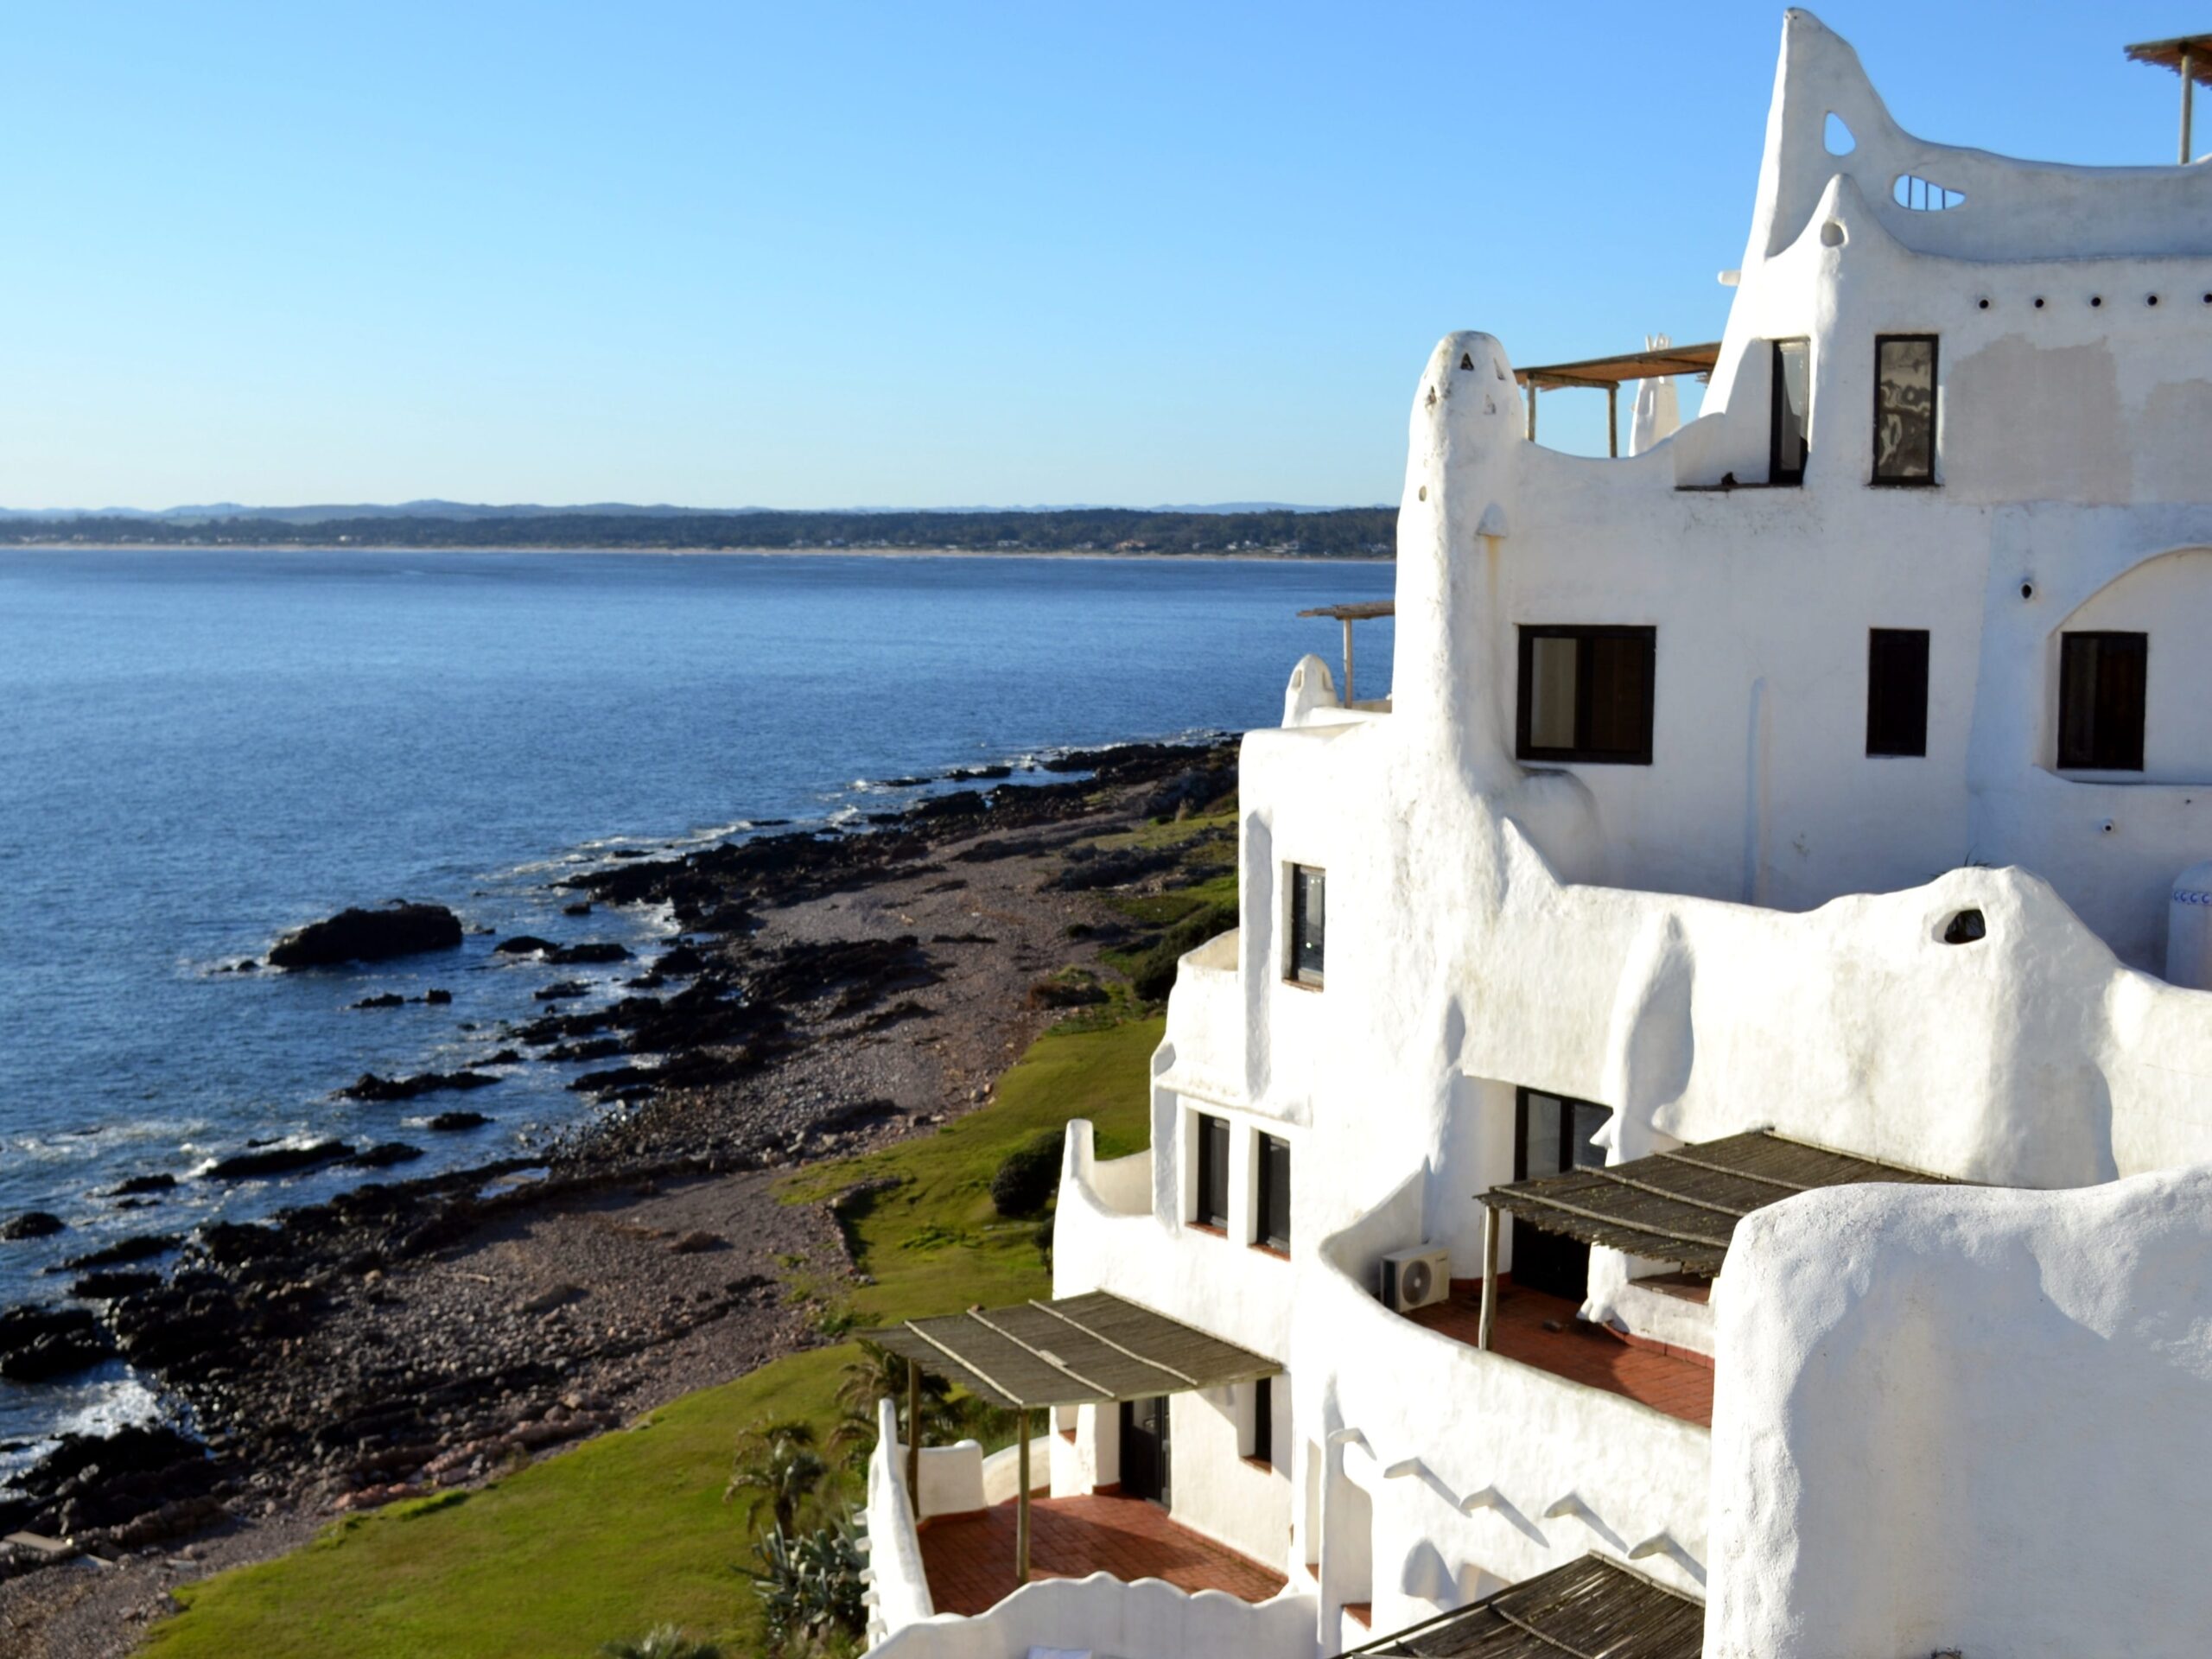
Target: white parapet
{"points": [[1104, 1618]]}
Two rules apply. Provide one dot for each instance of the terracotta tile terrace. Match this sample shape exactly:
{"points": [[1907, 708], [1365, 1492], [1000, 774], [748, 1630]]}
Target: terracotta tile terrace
{"points": [[969, 1558], [1542, 1331]]}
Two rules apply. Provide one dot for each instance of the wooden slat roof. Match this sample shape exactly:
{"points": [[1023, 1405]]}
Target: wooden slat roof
{"points": [[1591, 1609], [1629, 365], [2168, 54], [1364, 611], [1682, 1206], [1075, 1351]]}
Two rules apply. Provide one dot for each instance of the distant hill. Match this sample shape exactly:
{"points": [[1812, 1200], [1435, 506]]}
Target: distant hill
{"points": [[1308, 532]]}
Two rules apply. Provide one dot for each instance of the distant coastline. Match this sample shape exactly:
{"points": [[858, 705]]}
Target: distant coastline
{"points": [[1257, 555], [1284, 533]]}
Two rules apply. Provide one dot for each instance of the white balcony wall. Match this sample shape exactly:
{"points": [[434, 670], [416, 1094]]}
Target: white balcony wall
{"points": [[1150, 1619]]}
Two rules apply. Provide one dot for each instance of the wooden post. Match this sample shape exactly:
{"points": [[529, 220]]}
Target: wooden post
{"points": [[1347, 622], [1613, 420], [1021, 1511], [1489, 1277], [914, 1438], [2187, 103], [1532, 411]]}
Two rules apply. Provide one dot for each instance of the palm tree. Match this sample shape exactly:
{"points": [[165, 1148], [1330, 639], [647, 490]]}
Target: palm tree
{"points": [[663, 1642], [879, 1372], [775, 1464]]}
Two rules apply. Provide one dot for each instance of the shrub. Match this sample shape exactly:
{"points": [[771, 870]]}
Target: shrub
{"points": [[665, 1642], [1028, 1175], [810, 1587]]}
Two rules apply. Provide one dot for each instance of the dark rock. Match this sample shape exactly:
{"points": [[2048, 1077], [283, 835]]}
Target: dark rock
{"points": [[110, 1286], [523, 944], [138, 1184], [983, 774], [961, 804], [437, 995], [598, 1048], [680, 961], [589, 951], [40, 1343], [559, 989], [388, 999], [582, 907], [249, 966], [376, 1089], [32, 1224], [386, 1154], [699, 1242], [502, 1057], [231, 1242], [400, 928], [278, 1160], [123, 1251], [451, 1122]]}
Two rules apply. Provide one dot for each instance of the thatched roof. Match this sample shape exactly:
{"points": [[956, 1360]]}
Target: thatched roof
{"points": [[1075, 1351], [1682, 1206], [1591, 1609], [1628, 365]]}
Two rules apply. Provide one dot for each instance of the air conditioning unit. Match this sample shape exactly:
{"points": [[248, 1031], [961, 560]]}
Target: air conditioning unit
{"points": [[1416, 1278]]}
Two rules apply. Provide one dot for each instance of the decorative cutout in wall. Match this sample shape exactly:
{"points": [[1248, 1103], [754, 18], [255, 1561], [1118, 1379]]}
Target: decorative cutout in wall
{"points": [[1924, 196]]}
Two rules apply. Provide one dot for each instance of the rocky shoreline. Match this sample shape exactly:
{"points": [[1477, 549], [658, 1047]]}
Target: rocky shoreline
{"points": [[826, 990]]}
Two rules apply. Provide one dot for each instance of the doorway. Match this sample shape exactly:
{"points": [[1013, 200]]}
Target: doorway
{"points": [[1553, 1134], [1145, 1448]]}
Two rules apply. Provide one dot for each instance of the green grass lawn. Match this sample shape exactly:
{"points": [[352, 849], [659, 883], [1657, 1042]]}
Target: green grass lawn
{"points": [[629, 1530]]}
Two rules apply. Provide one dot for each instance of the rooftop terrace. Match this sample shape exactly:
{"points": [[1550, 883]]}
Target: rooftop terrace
{"points": [[1543, 1331]]}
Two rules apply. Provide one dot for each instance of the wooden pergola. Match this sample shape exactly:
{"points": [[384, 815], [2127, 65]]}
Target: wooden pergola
{"points": [[1679, 1207], [2190, 57], [1348, 614], [1093, 1349], [1610, 371], [1593, 1608]]}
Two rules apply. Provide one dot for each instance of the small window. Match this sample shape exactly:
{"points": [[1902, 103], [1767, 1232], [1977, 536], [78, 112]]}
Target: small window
{"points": [[1897, 691], [1557, 1133], [1793, 390], [1263, 1421], [1271, 1224], [1905, 409], [1213, 1171], [1586, 694], [2100, 680], [1309, 923]]}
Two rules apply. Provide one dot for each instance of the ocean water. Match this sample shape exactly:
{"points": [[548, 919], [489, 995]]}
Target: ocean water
{"points": [[198, 750]]}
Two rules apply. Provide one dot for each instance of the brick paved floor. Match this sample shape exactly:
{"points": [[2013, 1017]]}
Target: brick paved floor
{"points": [[969, 1558], [1579, 1350]]}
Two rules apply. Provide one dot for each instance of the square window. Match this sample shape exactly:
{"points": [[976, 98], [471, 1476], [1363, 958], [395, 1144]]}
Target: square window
{"points": [[1271, 1223], [1897, 691], [2101, 700], [1905, 409], [1309, 922], [1787, 446], [1213, 1172], [1587, 694]]}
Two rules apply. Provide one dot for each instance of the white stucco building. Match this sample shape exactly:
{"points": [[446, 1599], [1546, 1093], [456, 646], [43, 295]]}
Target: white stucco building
{"points": [[1797, 819]]}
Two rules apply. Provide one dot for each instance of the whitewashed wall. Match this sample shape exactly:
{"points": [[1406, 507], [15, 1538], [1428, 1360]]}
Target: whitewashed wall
{"points": [[1149, 1619], [1969, 1419]]}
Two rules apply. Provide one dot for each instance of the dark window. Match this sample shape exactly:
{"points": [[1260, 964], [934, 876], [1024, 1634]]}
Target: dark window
{"points": [[1263, 1421], [1213, 1171], [1586, 693], [1897, 691], [1793, 391], [2101, 677], [1309, 923], [1272, 1225], [1905, 409], [1552, 1135]]}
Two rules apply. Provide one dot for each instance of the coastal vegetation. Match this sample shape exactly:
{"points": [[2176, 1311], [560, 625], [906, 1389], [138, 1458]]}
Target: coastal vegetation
{"points": [[1342, 532], [628, 1533]]}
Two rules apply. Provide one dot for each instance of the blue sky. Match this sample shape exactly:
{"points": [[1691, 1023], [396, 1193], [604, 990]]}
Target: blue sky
{"points": [[824, 255]]}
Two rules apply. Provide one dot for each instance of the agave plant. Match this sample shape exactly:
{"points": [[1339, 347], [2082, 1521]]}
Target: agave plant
{"points": [[810, 1585], [775, 1465], [663, 1642]]}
